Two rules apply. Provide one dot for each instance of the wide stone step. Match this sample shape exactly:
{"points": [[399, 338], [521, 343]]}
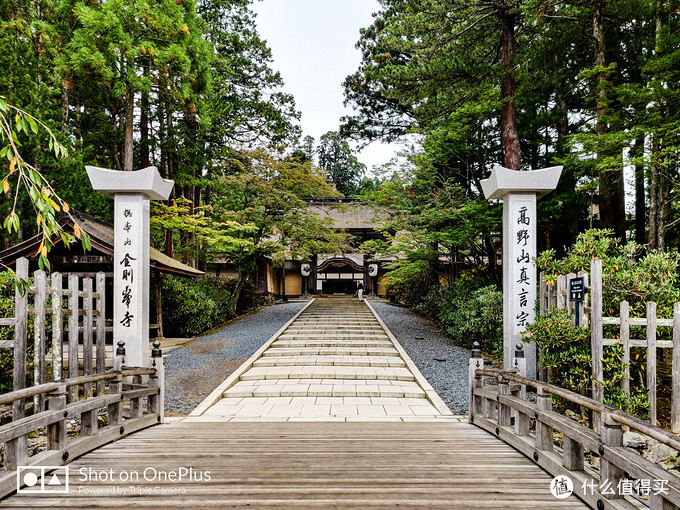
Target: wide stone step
{"points": [[338, 336], [325, 388], [331, 351], [357, 361], [332, 342], [328, 372]]}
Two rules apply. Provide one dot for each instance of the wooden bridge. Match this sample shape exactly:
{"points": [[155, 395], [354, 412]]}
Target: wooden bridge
{"points": [[337, 446]]}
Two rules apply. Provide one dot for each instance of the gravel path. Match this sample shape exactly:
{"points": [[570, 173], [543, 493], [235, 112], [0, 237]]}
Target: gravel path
{"points": [[197, 368], [449, 377]]}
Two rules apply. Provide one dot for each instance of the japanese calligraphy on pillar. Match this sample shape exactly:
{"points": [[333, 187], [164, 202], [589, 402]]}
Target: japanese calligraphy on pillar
{"points": [[522, 244], [128, 271]]}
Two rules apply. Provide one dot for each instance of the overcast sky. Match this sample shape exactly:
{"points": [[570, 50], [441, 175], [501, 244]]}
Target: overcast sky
{"points": [[312, 42]]}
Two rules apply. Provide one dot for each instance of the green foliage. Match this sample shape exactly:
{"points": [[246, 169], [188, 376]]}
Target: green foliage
{"points": [[192, 307], [472, 314], [24, 176], [628, 272], [565, 352], [343, 169]]}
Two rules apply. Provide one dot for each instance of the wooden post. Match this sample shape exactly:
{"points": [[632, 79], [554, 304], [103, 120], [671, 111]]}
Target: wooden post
{"points": [[56, 432], [544, 433], [597, 335], [675, 397], [572, 456], [100, 312], [503, 410], [57, 327], [522, 422], [569, 303], [476, 362], [115, 410], [136, 410], [542, 294], [88, 420], [651, 360], [16, 450], [624, 313], [612, 436], [39, 302], [562, 292], [73, 334]]}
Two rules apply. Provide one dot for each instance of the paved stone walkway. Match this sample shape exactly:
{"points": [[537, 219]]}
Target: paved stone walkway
{"points": [[334, 361]]}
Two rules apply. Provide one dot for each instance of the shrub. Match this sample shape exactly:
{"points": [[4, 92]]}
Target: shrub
{"points": [[191, 307], [472, 314], [565, 351]]}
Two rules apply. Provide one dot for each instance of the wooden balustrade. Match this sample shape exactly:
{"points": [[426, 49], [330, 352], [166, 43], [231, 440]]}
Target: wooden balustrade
{"points": [[499, 403], [69, 398]]}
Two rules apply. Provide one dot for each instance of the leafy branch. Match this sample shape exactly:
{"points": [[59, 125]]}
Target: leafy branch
{"points": [[45, 201]]}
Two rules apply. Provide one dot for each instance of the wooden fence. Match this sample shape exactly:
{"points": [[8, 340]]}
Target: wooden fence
{"points": [[497, 403], [556, 295], [81, 383]]}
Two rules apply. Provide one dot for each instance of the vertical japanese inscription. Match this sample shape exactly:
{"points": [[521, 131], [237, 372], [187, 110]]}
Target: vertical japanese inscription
{"points": [[523, 240]]}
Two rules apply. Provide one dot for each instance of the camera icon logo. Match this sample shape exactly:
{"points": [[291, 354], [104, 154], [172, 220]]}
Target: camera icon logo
{"points": [[42, 479]]}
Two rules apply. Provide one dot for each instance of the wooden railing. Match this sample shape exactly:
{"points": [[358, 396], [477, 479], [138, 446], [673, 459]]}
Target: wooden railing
{"points": [[499, 403], [140, 387]]}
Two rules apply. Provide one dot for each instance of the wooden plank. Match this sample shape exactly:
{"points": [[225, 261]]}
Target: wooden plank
{"points": [[73, 334], [16, 451], [7, 321], [597, 335], [314, 465], [45, 418], [100, 306], [651, 360], [7, 344], [624, 311], [39, 342], [89, 418], [675, 370], [562, 292], [57, 326]]}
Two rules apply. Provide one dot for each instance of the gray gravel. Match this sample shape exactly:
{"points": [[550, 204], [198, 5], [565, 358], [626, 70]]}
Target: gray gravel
{"points": [[449, 378], [194, 370]]}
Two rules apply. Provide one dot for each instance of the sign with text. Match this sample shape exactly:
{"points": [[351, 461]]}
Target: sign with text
{"points": [[576, 289]]}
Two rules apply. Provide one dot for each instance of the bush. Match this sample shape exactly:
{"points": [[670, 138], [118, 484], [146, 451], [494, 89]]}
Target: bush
{"points": [[565, 351], [191, 307], [472, 314]]}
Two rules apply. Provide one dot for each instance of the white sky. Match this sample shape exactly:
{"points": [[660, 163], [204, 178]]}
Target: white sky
{"points": [[312, 43]]}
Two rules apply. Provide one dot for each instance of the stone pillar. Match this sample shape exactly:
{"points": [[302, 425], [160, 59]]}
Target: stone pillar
{"points": [[131, 192], [519, 192]]}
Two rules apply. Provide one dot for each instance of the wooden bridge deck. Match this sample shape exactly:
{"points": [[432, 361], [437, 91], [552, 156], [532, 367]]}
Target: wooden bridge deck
{"points": [[308, 465]]}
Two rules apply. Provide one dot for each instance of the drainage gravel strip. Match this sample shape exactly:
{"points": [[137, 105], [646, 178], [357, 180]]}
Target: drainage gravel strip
{"points": [[443, 363], [194, 370]]}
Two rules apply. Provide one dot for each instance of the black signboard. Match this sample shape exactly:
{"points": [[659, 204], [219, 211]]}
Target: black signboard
{"points": [[576, 289]]}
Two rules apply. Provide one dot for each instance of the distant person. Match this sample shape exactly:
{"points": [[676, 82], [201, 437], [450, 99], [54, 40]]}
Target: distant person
{"points": [[360, 291]]}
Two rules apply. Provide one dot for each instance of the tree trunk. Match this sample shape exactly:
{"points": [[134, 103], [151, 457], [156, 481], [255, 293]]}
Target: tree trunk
{"points": [[129, 128], [64, 105], [640, 207], [144, 128], [612, 202], [509, 135]]}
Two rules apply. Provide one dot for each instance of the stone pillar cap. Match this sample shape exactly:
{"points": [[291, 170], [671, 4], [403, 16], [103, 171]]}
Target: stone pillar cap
{"points": [[147, 182], [503, 181]]}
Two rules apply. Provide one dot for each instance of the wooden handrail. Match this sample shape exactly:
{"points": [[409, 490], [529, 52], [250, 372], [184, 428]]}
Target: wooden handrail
{"points": [[661, 435], [41, 389]]}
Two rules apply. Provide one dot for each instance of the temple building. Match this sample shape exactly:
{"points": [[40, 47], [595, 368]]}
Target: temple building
{"points": [[326, 274]]}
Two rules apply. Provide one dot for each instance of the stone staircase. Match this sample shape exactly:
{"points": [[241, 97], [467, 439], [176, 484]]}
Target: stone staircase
{"points": [[335, 361]]}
